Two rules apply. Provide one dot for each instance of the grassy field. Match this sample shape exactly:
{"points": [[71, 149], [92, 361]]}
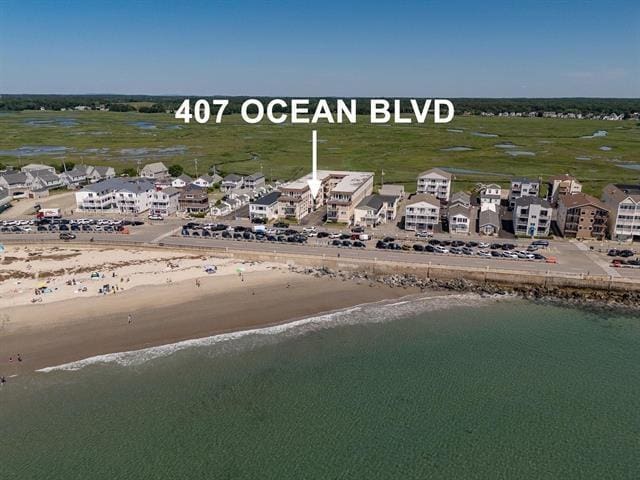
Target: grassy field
{"points": [[283, 151]]}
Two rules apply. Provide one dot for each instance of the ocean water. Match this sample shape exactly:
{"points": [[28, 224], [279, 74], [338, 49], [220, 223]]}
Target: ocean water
{"points": [[460, 388]]}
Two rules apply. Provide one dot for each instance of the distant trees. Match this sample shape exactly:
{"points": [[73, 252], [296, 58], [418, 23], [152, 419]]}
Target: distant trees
{"points": [[121, 107], [64, 167], [129, 172], [176, 170]]}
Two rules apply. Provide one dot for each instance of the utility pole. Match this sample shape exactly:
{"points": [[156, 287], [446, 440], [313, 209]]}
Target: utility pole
{"points": [[195, 160]]}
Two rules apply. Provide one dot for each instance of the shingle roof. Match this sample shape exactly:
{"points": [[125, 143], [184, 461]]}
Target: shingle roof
{"points": [[438, 171], [489, 217], [424, 197], [529, 200], [156, 167], [232, 177], [268, 199], [581, 199], [254, 176], [376, 201], [14, 178]]}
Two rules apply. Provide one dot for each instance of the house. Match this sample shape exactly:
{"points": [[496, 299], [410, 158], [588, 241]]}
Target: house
{"points": [[422, 213], [460, 198], [74, 177], [376, 209], [181, 181], [194, 199], [45, 180], [559, 185], [392, 190], [532, 217], [254, 181], [96, 174], [206, 181], [435, 182], [154, 171], [340, 191], [265, 207], [490, 197], [623, 202], [164, 202], [462, 218], [33, 168], [523, 187], [231, 182], [5, 199], [582, 216], [489, 222], [116, 195], [18, 184]]}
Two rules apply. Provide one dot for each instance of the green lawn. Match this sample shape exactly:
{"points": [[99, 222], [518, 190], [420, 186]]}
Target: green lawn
{"points": [[283, 151]]}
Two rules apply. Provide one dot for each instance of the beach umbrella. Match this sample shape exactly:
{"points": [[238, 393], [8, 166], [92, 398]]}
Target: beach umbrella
{"points": [[239, 269], [1, 248]]}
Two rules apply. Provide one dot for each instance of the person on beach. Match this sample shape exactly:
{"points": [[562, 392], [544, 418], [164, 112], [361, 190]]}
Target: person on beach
{"points": [[3, 380], [130, 318], [19, 357]]}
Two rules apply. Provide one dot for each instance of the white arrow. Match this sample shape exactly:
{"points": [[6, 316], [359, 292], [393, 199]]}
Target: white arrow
{"points": [[314, 183]]}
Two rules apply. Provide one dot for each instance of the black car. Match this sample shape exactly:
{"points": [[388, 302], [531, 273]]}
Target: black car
{"points": [[237, 236], [272, 238], [495, 246], [336, 243], [281, 225], [457, 243], [345, 236], [40, 228], [357, 229], [346, 243], [467, 251], [388, 239], [433, 241], [206, 233], [247, 235], [445, 243], [258, 220], [537, 256], [508, 246], [472, 244], [495, 253], [195, 233], [455, 250], [429, 248], [626, 253], [394, 246], [239, 228], [418, 248], [226, 234], [380, 244], [358, 244], [613, 252], [323, 234]]}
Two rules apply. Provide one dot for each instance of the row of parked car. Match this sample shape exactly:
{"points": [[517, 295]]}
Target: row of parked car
{"points": [[243, 233], [626, 253], [43, 225]]}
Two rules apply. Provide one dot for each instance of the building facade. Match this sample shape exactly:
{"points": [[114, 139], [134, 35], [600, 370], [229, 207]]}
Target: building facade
{"points": [[165, 202], [582, 216], [375, 210], [623, 202], [462, 219], [194, 199], [435, 182], [265, 207], [532, 217], [523, 187], [559, 185], [422, 213]]}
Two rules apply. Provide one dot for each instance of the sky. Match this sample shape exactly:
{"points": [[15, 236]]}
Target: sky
{"points": [[455, 48]]}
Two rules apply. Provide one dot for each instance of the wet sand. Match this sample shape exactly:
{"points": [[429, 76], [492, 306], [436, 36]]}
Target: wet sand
{"points": [[66, 331]]}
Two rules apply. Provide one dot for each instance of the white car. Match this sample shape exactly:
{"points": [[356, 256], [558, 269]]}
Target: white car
{"points": [[156, 217], [439, 249], [484, 253], [334, 235], [309, 229], [483, 245], [312, 234], [510, 255], [424, 234]]}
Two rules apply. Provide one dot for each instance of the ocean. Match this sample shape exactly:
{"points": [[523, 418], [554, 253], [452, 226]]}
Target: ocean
{"points": [[446, 388]]}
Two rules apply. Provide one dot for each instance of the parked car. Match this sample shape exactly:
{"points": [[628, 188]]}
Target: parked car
{"points": [[281, 225], [67, 236], [418, 248]]}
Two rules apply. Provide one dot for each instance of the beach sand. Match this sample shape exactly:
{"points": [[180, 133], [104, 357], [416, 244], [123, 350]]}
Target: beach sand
{"points": [[77, 328]]}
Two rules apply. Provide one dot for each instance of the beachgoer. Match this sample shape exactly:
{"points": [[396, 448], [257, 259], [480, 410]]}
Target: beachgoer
{"points": [[129, 318], [19, 357], [3, 380]]}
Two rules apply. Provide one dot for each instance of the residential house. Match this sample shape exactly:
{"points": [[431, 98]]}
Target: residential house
{"points": [[74, 177], [460, 198], [135, 196], [532, 217], [164, 202], [490, 197], [376, 209], [623, 201], [206, 181], [18, 184], [33, 168], [435, 182], [254, 181], [97, 174], [462, 218], [582, 216], [523, 187], [559, 185], [231, 182], [392, 190], [265, 207], [5, 199], [489, 222], [154, 171], [181, 181], [45, 180], [194, 199], [422, 213]]}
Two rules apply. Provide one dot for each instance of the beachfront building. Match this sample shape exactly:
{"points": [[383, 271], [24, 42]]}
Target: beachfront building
{"points": [[75, 177], [435, 182], [231, 182], [116, 195], [623, 202], [340, 191], [265, 207], [462, 218], [194, 199], [489, 222], [154, 171], [165, 202], [18, 184], [422, 213], [376, 209], [254, 181], [97, 174], [522, 187], [582, 216], [181, 181], [559, 185], [34, 168], [489, 195], [532, 217]]}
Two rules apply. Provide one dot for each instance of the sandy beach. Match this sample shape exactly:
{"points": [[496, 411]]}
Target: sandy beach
{"points": [[165, 304]]}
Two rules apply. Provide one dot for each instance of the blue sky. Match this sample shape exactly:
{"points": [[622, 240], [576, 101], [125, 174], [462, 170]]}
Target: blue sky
{"points": [[536, 48]]}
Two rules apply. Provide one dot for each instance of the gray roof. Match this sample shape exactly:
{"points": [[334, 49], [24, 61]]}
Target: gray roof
{"points": [[232, 177], [156, 167], [375, 202], [102, 171], [77, 172], [171, 191], [185, 178], [134, 185], [46, 175], [424, 197], [438, 171], [15, 178], [489, 217], [530, 200], [268, 199], [524, 180], [3, 193], [460, 197], [254, 176], [460, 210]]}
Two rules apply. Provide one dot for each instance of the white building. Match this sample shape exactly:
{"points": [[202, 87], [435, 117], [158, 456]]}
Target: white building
{"points": [[207, 181], [18, 184], [623, 202], [96, 174], [462, 218], [154, 171], [265, 207], [74, 177], [532, 217], [33, 168], [559, 185], [375, 210], [254, 181], [523, 187], [422, 213], [181, 181], [435, 182], [116, 195], [164, 202], [5, 199], [231, 182], [490, 196]]}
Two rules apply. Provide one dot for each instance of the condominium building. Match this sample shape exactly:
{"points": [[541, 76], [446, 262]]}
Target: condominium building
{"points": [[523, 187], [532, 217], [490, 196], [116, 195], [194, 199], [422, 213], [435, 182], [582, 216], [165, 202], [623, 202], [559, 185], [265, 207]]}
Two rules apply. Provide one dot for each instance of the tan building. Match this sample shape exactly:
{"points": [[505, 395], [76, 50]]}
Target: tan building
{"points": [[623, 201], [340, 191], [582, 216], [559, 185]]}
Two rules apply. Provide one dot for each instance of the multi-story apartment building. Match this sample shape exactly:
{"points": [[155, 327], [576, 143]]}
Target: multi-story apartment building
{"points": [[422, 213], [435, 182], [523, 187], [265, 207], [116, 195], [340, 191], [623, 202], [254, 181], [165, 202], [532, 217], [582, 216], [194, 199], [559, 185]]}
